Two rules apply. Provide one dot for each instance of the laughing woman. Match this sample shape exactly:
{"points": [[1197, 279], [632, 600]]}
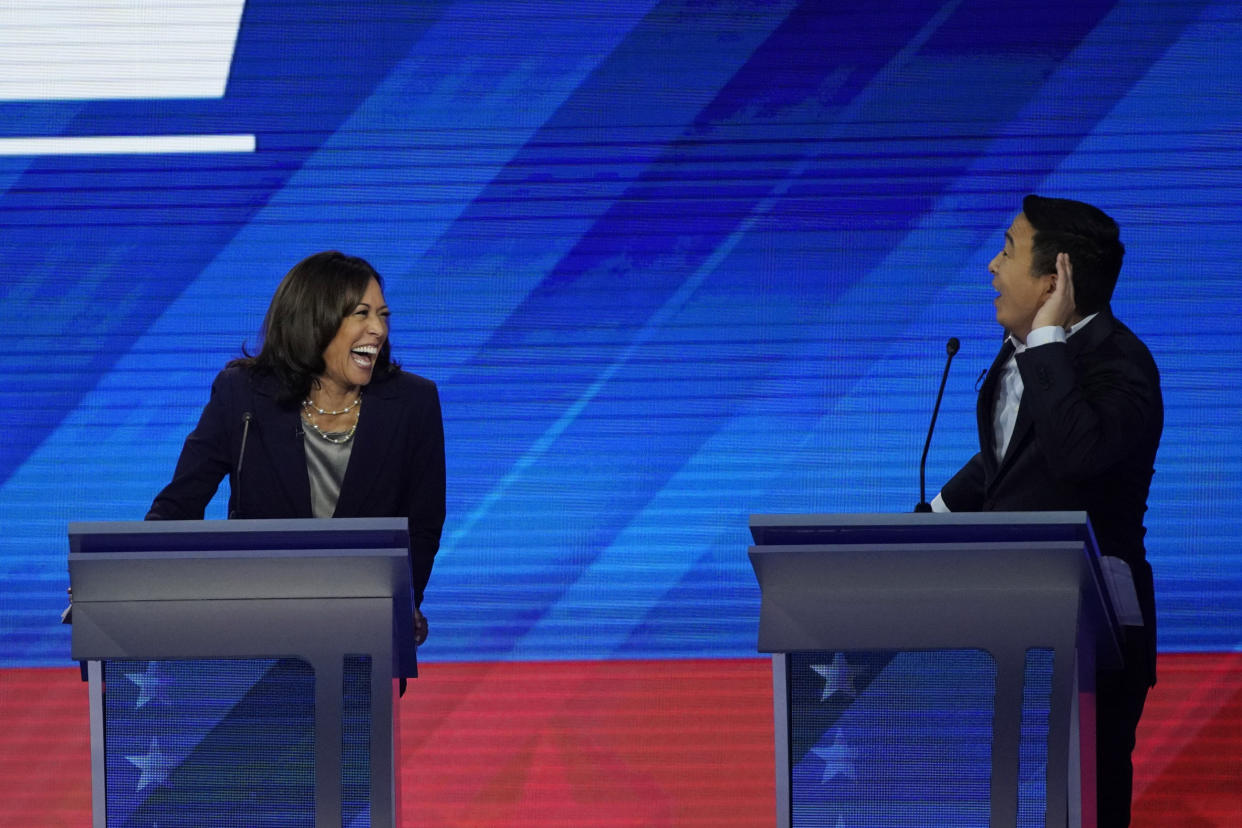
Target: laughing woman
{"points": [[332, 426]]}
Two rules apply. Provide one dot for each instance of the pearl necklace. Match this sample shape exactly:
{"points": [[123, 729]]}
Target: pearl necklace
{"points": [[308, 404], [326, 435], [340, 441]]}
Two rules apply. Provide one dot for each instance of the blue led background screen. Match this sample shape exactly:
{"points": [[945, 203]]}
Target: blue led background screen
{"points": [[670, 263]]}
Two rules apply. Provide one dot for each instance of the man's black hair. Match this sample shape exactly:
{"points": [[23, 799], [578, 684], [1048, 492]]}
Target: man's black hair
{"points": [[1090, 237]]}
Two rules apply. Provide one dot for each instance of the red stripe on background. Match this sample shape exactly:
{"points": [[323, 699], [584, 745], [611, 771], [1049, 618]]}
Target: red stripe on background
{"points": [[620, 743]]}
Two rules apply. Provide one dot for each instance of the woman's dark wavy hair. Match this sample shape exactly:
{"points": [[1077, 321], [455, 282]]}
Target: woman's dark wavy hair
{"points": [[306, 312], [1090, 237]]}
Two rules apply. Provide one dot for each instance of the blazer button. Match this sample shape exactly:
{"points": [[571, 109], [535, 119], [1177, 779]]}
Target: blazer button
{"points": [[1045, 379]]}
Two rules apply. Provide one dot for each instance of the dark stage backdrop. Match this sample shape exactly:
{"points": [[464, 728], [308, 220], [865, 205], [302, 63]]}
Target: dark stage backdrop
{"points": [[670, 263]]}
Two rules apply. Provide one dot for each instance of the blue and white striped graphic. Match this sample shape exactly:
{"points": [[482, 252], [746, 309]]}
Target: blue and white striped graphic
{"points": [[670, 263]]}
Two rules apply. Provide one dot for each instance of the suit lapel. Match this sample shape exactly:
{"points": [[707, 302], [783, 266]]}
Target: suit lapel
{"points": [[373, 440], [282, 440], [986, 402], [1021, 428]]}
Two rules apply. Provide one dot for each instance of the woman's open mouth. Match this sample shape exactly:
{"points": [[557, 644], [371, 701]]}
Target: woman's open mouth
{"points": [[364, 355]]}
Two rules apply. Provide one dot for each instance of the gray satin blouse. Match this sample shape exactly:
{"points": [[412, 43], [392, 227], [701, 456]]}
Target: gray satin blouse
{"points": [[325, 463]]}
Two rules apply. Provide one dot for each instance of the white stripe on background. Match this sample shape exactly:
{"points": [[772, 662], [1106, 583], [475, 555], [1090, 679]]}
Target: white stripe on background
{"points": [[126, 144]]}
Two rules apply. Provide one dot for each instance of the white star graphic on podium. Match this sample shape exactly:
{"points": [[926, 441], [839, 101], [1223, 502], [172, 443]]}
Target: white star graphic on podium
{"points": [[838, 677], [154, 766], [151, 685], [838, 759]]}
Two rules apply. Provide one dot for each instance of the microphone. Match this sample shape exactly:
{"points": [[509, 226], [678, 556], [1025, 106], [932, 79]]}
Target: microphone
{"points": [[951, 348], [241, 459]]}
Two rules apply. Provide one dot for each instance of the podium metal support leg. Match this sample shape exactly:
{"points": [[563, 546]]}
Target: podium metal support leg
{"points": [[1007, 736], [99, 796], [328, 680], [780, 704]]}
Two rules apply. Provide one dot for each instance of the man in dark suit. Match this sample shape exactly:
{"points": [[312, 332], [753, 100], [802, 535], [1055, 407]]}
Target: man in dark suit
{"points": [[1070, 415]]}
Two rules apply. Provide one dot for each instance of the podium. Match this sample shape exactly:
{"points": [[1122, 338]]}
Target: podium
{"points": [[1005, 584], [320, 591]]}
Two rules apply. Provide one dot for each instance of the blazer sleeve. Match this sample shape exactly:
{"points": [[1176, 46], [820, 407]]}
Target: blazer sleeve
{"points": [[426, 504], [1089, 424], [203, 463], [964, 491]]}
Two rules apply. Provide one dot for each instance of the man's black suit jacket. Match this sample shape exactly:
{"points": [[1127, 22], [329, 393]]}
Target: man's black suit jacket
{"points": [[396, 465], [1086, 435]]}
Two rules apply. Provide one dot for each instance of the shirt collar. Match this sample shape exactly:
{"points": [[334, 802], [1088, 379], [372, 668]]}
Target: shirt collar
{"points": [[1080, 324]]}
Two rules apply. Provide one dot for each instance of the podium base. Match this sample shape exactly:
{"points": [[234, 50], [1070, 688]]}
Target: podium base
{"points": [[226, 742], [905, 738]]}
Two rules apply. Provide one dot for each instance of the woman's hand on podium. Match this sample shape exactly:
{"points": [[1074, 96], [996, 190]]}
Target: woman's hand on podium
{"points": [[420, 627]]}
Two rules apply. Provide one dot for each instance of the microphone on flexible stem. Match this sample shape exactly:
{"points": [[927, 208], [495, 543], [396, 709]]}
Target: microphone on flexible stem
{"points": [[241, 459], [951, 348]]}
